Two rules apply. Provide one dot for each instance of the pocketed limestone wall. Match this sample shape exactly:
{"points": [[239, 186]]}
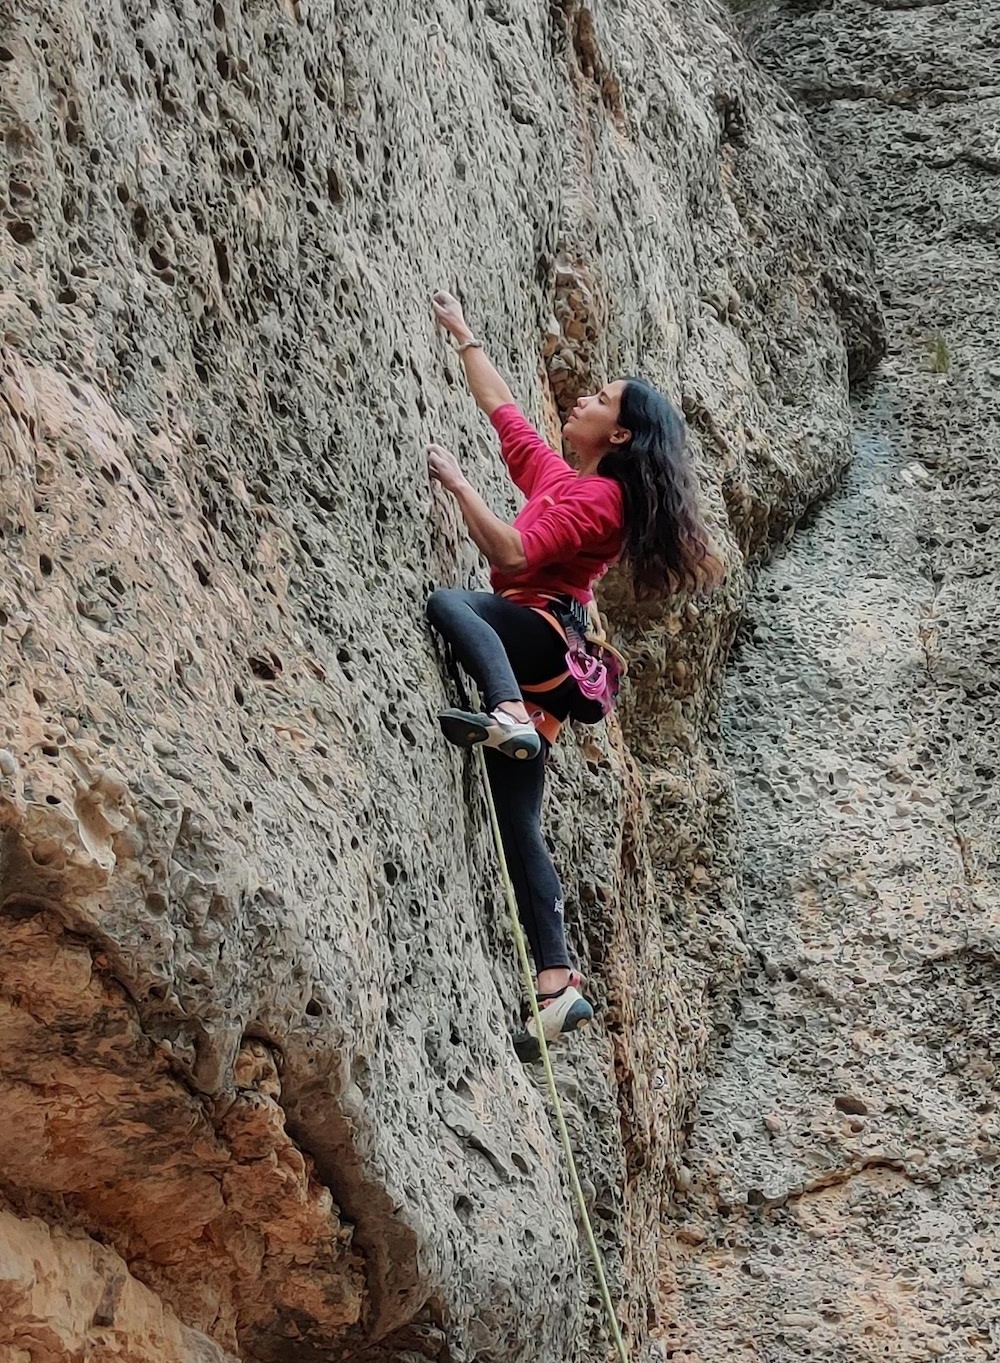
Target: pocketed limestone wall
{"points": [[256, 983]]}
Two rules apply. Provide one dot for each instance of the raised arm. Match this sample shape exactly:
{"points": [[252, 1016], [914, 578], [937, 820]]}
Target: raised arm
{"points": [[485, 384], [530, 461]]}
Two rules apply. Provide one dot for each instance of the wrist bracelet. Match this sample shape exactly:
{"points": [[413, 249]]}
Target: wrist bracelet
{"points": [[470, 344]]}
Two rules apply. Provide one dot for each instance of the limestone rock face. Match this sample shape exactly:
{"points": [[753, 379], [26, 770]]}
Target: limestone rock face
{"points": [[841, 1197], [255, 979], [65, 1296]]}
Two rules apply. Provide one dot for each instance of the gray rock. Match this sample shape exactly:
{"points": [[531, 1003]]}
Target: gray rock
{"points": [[868, 792], [260, 982]]}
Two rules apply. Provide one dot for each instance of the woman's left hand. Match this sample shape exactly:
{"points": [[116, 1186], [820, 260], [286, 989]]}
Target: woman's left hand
{"points": [[444, 468]]}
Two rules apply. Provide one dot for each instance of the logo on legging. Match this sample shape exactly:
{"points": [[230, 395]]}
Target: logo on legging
{"points": [[558, 906]]}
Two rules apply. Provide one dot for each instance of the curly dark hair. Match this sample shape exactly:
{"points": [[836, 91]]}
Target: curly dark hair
{"points": [[667, 547]]}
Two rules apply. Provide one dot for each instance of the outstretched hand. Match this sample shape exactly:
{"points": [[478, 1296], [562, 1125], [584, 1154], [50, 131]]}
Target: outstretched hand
{"points": [[444, 468], [448, 311]]}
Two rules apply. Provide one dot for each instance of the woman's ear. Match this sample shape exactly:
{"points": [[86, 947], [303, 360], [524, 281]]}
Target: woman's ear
{"points": [[620, 436]]}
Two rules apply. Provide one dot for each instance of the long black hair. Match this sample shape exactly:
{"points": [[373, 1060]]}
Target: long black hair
{"points": [[666, 544]]}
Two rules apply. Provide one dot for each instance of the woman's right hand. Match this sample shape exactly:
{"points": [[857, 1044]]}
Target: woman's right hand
{"points": [[444, 468], [448, 311]]}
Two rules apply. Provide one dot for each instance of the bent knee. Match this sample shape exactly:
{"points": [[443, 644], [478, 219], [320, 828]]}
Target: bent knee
{"points": [[437, 603]]}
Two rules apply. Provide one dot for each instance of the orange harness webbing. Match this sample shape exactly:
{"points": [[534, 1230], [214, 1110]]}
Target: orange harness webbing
{"points": [[545, 723]]}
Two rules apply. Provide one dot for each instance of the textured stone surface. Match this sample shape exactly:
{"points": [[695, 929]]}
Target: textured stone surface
{"points": [[843, 1164], [254, 969], [64, 1296]]}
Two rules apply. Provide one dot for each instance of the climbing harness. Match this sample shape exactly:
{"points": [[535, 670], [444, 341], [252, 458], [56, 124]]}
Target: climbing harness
{"points": [[593, 664], [529, 980]]}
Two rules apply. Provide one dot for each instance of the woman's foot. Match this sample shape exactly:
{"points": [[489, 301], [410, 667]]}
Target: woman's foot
{"points": [[564, 1012], [500, 730], [551, 982]]}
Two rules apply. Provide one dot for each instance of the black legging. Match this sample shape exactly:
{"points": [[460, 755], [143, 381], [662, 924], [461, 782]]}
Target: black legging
{"points": [[505, 648]]}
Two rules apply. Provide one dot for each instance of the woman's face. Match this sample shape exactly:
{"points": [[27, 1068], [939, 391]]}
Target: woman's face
{"points": [[593, 422]]}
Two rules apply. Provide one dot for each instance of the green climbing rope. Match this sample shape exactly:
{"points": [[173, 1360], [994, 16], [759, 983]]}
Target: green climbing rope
{"points": [[529, 981]]}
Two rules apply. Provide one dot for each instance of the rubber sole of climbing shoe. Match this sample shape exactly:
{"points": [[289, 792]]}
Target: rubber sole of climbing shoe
{"points": [[468, 729], [578, 1014]]}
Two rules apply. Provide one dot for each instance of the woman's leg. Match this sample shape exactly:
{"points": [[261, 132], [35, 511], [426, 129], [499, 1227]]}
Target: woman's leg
{"points": [[496, 641], [517, 794]]}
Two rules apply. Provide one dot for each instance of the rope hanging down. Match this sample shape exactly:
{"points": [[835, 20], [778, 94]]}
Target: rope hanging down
{"points": [[529, 980]]}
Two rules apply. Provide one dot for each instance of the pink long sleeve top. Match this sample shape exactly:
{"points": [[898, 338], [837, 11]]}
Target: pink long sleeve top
{"points": [[571, 526]]}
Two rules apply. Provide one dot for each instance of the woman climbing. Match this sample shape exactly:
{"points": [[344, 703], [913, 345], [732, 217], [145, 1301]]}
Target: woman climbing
{"points": [[631, 497]]}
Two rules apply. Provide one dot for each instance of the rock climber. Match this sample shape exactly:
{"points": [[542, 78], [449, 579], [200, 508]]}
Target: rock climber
{"points": [[632, 497]]}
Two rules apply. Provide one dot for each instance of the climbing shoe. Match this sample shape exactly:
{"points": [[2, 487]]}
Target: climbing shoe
{"points": [[562, 1012], [512, 737]]}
